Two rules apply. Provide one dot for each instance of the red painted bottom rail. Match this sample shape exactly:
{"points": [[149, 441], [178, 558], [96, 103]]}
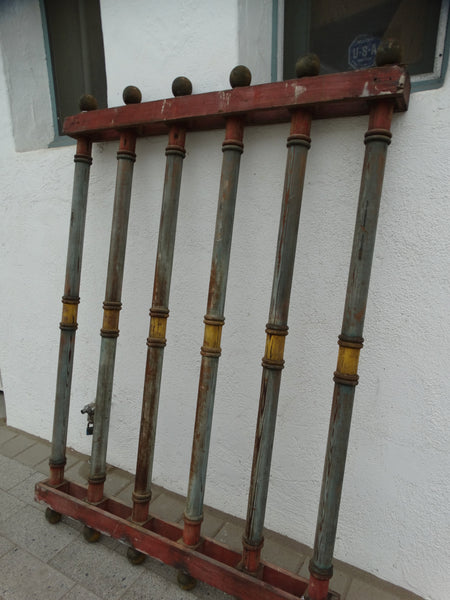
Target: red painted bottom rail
{"points": [[210, 562]]}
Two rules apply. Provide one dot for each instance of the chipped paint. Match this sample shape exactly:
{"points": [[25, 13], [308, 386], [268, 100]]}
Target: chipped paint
{"points": [[224, 101], [365, 91], [299, 90]]}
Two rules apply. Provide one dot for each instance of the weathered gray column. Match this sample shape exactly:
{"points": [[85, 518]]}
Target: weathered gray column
{"points": [[214, 319], [298, 144], [159, 313], [71, 299], [112, 305], [276, 331], [350, 342]]}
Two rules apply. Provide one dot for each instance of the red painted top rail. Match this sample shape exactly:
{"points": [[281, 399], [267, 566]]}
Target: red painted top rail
{"points": [[326, 96]]}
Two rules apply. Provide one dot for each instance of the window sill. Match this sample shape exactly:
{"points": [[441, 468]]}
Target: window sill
{"points": [[62, 140]]}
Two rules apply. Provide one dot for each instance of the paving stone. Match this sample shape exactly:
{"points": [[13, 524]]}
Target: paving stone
{"points": [[5, 545], [116, 480], [78, 592], [157, 491], [15, 445], [109, 542], [304, 571], [211, 523], [6, 434], [168, 507], [125, 494], [42, 468], [121, 548], [152, 585], [158, 582], [24, 577], [12, 473], [96, 568], [25, 490], [78, 473], [360, 589], [72, 458], [231, 535], [9, 504], [28, 529], [205, 591], [282, 555], [169, 574], [38, 452], [77, 525], [340, 582]]}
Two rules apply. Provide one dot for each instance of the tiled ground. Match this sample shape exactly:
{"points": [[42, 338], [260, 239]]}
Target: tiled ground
{"points": [[39, 561]]}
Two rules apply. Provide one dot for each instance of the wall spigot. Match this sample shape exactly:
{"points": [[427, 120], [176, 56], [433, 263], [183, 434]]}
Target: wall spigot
{"points": [[89, 410]]}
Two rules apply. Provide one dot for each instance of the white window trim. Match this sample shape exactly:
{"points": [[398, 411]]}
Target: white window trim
{"points": [[436, 78]]}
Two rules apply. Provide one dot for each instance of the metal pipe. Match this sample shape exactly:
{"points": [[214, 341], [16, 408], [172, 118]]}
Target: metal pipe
{"points": [[71, 299], [298, 144], [112, 305], [159, 311], [350, 342], [214, 319]]}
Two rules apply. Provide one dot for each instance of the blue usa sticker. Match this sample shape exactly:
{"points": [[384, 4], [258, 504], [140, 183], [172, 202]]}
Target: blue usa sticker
{"points": [[362, 51]]}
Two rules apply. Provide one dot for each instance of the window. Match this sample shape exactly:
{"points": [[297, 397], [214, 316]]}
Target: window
{"points": [[345, 35], [75, 49]]}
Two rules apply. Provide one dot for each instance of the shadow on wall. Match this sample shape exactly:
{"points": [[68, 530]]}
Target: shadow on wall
{"points": [[2, 402]]}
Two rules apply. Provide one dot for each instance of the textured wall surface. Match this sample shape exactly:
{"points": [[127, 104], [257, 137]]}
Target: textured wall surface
{"points": [[395, 515], [26, 74]]}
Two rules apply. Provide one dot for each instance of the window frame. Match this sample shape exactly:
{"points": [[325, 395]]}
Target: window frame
{"points": [[59, 139], [422, 82]]}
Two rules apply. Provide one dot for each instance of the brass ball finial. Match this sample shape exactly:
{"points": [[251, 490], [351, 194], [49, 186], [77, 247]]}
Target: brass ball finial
{"points": [[307, 66], [88, 102], [181, 86], [389, 52], [132, 95], [240, 76]]}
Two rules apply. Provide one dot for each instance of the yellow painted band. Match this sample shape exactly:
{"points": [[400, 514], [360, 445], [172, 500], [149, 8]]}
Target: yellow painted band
{"points": [[158, 327], [110, 319], [348, 358], [69, 314], [274, 347], [213, 335]]}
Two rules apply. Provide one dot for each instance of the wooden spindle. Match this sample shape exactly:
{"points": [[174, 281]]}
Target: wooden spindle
{"points": [[159, 311], [298, 144], [214, 319], [71, 299], [377, 139], [112, 305]]}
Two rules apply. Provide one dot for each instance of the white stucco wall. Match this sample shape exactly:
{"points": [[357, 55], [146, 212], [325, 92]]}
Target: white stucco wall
{"points": [[395, 514]]}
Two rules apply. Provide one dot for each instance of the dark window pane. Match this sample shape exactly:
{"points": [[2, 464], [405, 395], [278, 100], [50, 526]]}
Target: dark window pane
{"points": [[77, 54], [346, 34]]}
